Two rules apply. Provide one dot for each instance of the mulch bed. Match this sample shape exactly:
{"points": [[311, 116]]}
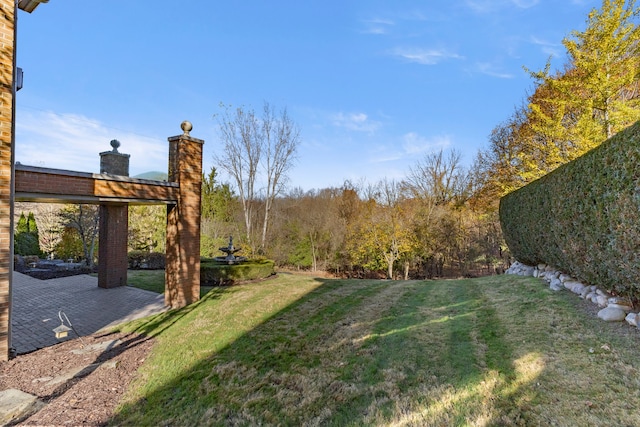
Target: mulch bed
{"points": [[45, 274], [91, 393]]}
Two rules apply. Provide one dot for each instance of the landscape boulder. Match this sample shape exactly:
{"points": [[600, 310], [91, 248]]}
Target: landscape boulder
{"points": [[623, 307], [556, 285], [574, 286], [632, 319], [612, 314]]}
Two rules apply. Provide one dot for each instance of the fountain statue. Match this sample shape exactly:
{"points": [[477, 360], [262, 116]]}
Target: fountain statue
{"points": [[230, 251]]}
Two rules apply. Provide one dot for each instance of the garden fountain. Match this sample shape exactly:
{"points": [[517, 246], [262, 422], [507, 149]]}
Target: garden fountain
{"points": [[231, 269], [230, 251]]}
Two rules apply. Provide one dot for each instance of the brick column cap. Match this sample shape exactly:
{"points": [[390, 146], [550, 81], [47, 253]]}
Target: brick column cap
{"points": [[186, 127], [185, 137], [115, 154], [115, 144]]}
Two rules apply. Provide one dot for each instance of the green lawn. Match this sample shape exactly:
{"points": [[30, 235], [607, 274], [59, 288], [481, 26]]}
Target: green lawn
{"points": [[153, 280], [303, 351], [150, 280]]}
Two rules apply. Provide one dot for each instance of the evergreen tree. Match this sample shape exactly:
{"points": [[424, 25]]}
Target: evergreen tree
{"points": [[22, 226], [218, 203], [32, 227], [217, 199], [26, 239]]}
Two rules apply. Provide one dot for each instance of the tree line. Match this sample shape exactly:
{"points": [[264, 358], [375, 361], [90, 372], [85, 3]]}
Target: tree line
{"points": [[426, 225]]}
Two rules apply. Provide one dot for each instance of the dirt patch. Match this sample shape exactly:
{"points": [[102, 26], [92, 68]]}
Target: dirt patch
{"points": [[81, 385]]}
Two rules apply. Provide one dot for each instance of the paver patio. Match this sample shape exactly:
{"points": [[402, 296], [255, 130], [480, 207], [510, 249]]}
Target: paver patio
{"points": [[89, 308]]}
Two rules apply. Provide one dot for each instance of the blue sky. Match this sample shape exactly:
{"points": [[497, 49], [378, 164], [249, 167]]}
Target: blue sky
{"points": [[373, 85]]}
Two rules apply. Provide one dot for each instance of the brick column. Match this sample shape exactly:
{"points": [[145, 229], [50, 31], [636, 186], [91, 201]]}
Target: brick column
{"points": [[7, 107], [182, 273], [112, 249], [114, 226]]}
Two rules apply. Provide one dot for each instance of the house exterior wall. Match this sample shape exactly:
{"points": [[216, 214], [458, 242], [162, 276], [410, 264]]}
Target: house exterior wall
{"points": [[7, 66]]}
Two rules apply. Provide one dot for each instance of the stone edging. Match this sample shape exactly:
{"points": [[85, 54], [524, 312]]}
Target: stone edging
{"points": [[613, 308]]}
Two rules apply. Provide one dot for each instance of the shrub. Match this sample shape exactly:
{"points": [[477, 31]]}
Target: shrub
{"points": [[213, 273], [135, 259], [155, 261], [583, 217], [142, 260], [26, 244]]}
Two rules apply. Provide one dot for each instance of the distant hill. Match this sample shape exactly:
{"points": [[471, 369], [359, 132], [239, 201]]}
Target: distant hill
{"points": [[154, 175]]}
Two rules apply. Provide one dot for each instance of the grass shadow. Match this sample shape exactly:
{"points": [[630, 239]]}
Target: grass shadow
{"points": [[344, 353], [155, 325]]}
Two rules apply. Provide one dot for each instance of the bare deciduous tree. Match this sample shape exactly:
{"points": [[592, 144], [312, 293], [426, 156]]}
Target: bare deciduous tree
{"points": [[258, 151], [240, 157], [437, 182], [438, 178], [281, 144]]}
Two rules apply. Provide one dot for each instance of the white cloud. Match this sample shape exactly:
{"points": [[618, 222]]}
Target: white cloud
{"points": [[486, 6], [378, 26], [525, 4], [425, 56], [548, 48], [413, 15], [384, 155], [359, 122], [73, 142], [415, 144], [482, 6], [407, 148], [490, 70]]}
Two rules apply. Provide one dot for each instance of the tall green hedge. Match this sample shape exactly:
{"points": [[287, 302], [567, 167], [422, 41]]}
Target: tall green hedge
{"points": [[584, 217]]}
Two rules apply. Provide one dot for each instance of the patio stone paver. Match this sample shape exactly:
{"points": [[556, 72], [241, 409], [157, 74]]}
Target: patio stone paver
{"points": [[89, 308]]}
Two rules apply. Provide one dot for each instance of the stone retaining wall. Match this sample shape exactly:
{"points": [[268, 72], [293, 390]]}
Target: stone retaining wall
{"points": [[613, 308]]}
